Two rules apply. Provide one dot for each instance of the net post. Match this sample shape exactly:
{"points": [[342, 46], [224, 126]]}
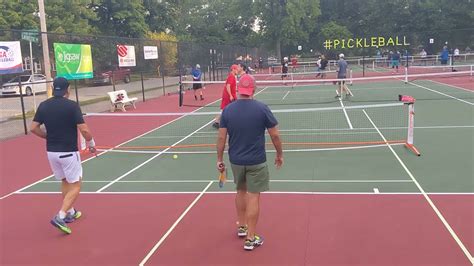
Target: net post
{"points": [[113, 80], [373, 65], [22, 102], [406, 75], [180, 89], [143, 85], [411, 129], [471, 70]]}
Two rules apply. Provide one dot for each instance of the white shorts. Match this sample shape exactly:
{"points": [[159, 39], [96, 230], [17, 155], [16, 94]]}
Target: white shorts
{"points": [[66, 165]]}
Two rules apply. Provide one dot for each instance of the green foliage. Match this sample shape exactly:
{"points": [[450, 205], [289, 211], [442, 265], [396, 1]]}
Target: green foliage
{"points": [[125, 18], [161, 15], [215, 21], [332, 30], [70, 16], [18, 14], [280, 25], [287, 22]]}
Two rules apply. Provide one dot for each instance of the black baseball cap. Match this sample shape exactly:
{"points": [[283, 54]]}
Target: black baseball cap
{"points": [[60, 86]]}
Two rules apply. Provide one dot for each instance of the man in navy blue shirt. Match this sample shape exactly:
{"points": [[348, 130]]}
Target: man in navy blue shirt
{"points": [[62, 118], [245, 121]]}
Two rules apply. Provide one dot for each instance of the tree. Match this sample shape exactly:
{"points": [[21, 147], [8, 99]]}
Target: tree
{"points": [[287, 22], [18, 14], [160, 15], [124, 18], [332, 31], [78, 20], [214, 21]]}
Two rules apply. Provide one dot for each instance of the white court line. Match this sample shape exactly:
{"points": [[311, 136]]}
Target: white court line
{"points": [[428, 199], [329, 89], [356, 129], [268, 151], [276, 181], [152, 158], [163, 238], [108, 150], [358, 132], [376, 190], [345, 113], [233, 192], [90, 158], [441, 93], [165, 150], [456, 87], [432, 90], [288, 92]]}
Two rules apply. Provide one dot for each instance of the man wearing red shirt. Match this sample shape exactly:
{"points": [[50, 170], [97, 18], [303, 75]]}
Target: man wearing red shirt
{"points": [[230, 92], [294, 63]]}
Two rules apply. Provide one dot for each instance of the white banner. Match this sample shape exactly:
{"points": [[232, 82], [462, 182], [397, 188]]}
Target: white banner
{"points": [[10, 58], [150, 52], [126, 55]]}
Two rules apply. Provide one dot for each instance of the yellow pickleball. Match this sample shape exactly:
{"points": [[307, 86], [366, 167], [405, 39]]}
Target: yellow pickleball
{"points": [[175, 156]]}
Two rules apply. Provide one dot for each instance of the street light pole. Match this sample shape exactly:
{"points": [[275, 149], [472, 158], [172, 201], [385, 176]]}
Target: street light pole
{"points": [[44, 43]]}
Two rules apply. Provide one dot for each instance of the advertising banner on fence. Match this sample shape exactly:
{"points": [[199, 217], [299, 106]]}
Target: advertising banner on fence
{"points": [[73, 61], [126, 55], [10, 58], [150, 52]]}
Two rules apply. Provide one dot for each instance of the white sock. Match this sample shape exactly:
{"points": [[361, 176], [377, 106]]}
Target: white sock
{"points": [[62, 215], [71, 211]]}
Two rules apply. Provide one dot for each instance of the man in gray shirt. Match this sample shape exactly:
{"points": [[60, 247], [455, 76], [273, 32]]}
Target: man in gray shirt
{"points": [[341, 75]]}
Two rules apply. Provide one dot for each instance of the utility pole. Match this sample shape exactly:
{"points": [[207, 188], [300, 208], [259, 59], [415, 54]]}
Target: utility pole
{"points": [[45, 45]]}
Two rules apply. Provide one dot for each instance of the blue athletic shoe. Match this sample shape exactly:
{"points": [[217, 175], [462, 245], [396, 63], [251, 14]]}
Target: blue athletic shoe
{"points": [[72, 217], [61, 225], [250, 244]]}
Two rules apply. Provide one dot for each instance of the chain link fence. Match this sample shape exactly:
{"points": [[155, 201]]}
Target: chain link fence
{"points": [[149, 78]]}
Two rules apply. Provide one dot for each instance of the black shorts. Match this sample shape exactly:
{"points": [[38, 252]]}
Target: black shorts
{"points": [[197, 86], [341, 81]]}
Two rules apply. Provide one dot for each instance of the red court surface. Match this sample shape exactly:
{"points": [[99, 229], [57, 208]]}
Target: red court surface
{"points": [[30, 151], [115, 230], [298, 230], [463, 83], [459, 211], [316, 230], [120, 229]]}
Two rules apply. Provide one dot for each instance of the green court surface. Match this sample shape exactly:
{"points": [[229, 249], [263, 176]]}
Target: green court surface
{"points": [[444, 134]]}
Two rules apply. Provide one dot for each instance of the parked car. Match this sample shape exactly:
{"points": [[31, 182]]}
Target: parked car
{"points": [[105, 77], [29, 83]]}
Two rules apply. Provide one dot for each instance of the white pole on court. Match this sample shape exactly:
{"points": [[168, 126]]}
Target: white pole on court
{"points": [[45, 45], [32, 73]]}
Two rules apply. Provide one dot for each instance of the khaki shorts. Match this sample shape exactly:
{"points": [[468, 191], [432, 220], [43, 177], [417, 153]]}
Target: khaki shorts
{"points": [[255, 177]]}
